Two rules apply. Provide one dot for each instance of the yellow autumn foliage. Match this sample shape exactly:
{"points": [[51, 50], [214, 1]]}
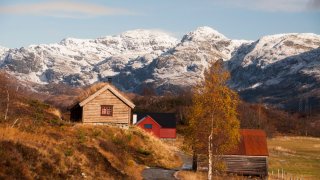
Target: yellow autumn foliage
{"points": [[214, 110]]}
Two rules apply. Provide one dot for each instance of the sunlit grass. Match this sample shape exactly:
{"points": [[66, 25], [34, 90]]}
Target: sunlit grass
{"points": [[297, 156]]}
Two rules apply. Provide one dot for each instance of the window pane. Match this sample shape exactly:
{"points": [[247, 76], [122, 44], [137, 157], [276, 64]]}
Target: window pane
{"points": [[148, 126], [106, 110], [109, 111]]}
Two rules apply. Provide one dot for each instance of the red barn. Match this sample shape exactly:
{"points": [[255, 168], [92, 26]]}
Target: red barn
{"points": [[162, 125]]}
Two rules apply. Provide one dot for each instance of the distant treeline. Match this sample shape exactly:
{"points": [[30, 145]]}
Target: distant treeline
{"points": [[273, 120]]}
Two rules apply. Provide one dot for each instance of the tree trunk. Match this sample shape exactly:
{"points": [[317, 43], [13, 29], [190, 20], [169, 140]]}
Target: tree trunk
{"points": [[7, 109], [210, 157], [194, 161]]}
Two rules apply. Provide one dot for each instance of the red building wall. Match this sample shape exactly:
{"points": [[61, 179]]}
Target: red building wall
{"points": [[167, 133], [155, 126]]}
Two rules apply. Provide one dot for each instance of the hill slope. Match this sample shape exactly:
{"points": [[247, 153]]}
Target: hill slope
{"points": [[78, 152], [35, 143]]}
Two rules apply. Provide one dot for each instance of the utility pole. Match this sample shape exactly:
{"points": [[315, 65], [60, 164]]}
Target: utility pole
{"points": [[259, 112]]}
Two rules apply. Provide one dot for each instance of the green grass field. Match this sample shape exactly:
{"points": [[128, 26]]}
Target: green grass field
{"points": [[299, 157]]}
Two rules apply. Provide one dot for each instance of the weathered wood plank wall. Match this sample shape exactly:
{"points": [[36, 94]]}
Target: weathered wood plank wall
{"points": [[239, 164], [246, 165], [92, 110]]}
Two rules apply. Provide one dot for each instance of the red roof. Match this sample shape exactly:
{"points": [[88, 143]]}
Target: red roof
{"points": [[253, 142]]}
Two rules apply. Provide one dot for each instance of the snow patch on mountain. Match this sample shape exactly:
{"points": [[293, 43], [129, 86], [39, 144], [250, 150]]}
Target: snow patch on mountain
{"points": [[186, 63], [3, 53], [84, 61], [275, 67], [271, 49]]}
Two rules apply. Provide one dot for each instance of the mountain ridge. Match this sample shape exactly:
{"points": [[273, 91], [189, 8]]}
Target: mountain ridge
{"points": [[144, 58]]}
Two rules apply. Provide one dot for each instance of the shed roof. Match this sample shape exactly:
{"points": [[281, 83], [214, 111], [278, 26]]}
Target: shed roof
{"points": [[166, 120], [103, 87], [253, 142]]}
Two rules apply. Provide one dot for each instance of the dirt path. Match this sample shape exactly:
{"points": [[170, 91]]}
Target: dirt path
{"points": [[161, 174], [158, 173]]}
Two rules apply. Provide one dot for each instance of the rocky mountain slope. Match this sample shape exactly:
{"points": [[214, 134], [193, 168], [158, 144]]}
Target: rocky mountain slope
{"points": [[85, 61], [280, 68], [274, 69]]}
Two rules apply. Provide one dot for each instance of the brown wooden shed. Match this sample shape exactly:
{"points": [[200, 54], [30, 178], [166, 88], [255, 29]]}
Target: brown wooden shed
{"points": [[250, 157], [107, 106]]}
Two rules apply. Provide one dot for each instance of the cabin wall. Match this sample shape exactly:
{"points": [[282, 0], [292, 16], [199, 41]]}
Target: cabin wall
{"points": [[92, 110], [155, 126], [167, 133], [247, 165], [239, 164]]}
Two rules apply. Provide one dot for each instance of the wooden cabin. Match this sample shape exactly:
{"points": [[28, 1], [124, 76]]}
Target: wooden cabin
{"points": [[161, 125], [106, 105], [249, 158]]}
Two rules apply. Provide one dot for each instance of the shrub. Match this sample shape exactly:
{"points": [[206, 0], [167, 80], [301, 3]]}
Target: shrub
{"points": [[143, 151], [81, 136], [96, 132], [117, 140], [68, 152]]}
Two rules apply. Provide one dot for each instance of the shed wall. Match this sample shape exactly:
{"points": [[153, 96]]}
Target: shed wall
{"points": [[239, 164], [167, 133], [155, 126], [247, 165], [92, 110]]}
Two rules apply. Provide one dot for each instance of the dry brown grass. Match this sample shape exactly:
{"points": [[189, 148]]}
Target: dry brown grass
{"points": [[191, 175], [160, 149], [90, 90], [76, 152], [296, 156], [54, 111], [97, 86]]}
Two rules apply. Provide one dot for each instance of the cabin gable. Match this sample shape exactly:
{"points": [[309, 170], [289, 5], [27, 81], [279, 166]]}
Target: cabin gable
{"points": [[92, 110], [164, 124], [150, 125]]}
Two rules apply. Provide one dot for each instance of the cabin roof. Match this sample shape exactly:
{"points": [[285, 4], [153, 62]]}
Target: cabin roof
{"points": [[165, 120], [103, 88], [253, 142], [145, 117]]}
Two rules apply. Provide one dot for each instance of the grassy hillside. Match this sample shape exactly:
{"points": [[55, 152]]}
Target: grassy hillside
{"points": [[80, 151], [297, 156], [35, 143]]}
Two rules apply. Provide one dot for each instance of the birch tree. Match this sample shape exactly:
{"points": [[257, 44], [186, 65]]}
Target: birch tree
{"points": [[214, 127]]}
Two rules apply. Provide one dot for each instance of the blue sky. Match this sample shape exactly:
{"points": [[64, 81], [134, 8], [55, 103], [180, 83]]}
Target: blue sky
{"points": [[48, 21]]}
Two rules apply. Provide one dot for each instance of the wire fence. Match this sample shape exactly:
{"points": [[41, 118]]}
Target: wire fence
{"points": [[282, 174]]}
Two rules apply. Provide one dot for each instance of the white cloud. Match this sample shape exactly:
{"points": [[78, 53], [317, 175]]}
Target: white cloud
{"points": [[67, 9], [275, 5], [314, 4]]}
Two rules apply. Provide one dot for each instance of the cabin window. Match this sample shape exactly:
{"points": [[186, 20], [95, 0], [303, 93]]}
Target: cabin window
{"points": [[148, 126], [106, 110]]}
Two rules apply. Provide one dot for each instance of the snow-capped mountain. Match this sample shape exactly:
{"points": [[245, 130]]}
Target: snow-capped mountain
{"points": [[3, 52], [273, 68], [184, 65], [282, 68], [84, 61]]}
